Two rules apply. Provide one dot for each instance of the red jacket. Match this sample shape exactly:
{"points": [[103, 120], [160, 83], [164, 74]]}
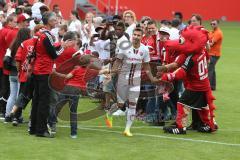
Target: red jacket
{"points": [[45, 53], [21, 55]]}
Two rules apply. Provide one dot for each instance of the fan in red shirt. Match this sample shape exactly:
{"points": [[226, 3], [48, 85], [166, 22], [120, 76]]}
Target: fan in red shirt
{"points": [[11, 23], [22, 22], [194, 71], [64, 63], [21, 56], [24, 74], [75, 84], [150, 40], [75, 79], [46, 53]]}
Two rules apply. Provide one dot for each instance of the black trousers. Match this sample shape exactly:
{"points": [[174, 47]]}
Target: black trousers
{"points": [[40, 104], [4, 92], [25, 93], [212, 71]]}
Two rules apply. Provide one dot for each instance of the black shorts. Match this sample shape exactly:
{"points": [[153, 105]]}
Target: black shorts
{"points": [[193, 99]]}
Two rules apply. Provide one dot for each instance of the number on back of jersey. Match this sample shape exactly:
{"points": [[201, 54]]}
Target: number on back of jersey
{"points": [[202, 69]]}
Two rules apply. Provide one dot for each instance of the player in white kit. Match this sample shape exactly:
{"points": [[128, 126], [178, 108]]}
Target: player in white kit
{"points": [[130, 61]]}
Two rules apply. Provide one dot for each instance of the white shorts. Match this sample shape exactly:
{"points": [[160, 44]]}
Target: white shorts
{"points": [[127, 92]]}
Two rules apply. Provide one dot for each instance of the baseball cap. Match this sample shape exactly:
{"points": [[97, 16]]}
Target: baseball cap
{"points": [[165, 29], [23, 17]]}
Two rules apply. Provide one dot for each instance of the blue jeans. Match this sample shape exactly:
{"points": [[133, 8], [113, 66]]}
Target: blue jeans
{"points": [[14, 89], [73, 104], [52, 118]]}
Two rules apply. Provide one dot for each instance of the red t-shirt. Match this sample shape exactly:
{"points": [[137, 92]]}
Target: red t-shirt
{"points": [[21, 55], [3, 45], [66, 55], [11, 36], [78, 78], [150, 42], [197, 75]]}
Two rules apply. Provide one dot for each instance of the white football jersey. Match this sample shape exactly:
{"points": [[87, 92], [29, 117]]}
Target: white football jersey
{"points": [[132, 60]]}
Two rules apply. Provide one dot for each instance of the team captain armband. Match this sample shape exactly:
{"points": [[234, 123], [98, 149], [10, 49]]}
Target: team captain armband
{"points": [[188, 64]]}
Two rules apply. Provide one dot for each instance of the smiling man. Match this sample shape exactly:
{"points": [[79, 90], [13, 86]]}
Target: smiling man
{"points": [[130, 62]]}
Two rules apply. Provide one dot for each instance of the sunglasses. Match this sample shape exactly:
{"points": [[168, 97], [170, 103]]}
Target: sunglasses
{"points": [[128, 16]]}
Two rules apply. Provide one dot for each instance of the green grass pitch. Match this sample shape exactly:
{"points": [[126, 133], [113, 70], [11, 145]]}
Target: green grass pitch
{"points": [[96, 142]]}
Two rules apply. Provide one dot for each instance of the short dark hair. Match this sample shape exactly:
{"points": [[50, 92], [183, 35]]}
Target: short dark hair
{"points": [[69, 36], [64, 27], [138, 29], [44, 8], [19, 10], [179, 14], [117, 17], [75, 13], [121, 24], [198, 17], [95, 53], [165, 22], [28, 10], [175, 22]]}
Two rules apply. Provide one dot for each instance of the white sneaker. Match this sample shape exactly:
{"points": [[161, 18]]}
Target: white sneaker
{"points": [[119, 113], [73, 136]]}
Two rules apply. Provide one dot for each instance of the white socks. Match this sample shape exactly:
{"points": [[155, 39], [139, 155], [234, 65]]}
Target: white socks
{"points": [[131, 113]]}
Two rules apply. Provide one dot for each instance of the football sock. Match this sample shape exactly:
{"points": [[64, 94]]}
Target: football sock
{"points": [[131, 113]]}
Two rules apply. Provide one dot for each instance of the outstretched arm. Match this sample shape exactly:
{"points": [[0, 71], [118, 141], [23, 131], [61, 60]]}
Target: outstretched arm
{"points": [[116, 66], [147, 69], [179, 74]]}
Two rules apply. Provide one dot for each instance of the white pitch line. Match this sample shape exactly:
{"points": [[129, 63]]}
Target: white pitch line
{"points": [[154, 127], [159, 136]]}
